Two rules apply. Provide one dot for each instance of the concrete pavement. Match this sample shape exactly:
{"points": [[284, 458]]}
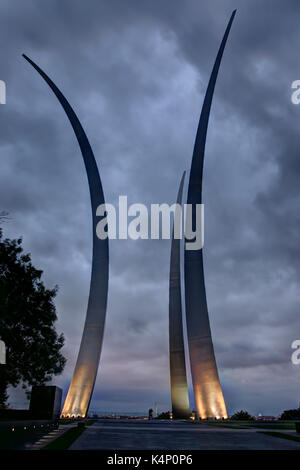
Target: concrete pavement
{"points": [[174, 435]]}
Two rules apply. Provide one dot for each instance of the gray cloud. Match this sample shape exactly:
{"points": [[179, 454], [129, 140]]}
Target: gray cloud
{"points": [[136, 73]]}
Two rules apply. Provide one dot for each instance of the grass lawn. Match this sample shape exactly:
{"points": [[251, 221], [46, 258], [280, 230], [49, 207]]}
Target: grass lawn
{"points": [[278, 425], [281, 435], [275, 426], [227, 425], [64, 421], [64, 441]]}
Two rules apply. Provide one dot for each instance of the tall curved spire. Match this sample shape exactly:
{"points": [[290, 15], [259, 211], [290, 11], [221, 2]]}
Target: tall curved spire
{"points": [[207, 389], [85, 372], [178, 379]]}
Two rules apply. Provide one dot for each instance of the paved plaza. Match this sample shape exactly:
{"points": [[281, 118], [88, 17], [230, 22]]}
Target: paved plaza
{"points": [[176, 435]]}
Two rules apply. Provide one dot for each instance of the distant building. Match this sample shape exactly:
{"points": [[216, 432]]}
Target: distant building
{"points": [[261, 417]]}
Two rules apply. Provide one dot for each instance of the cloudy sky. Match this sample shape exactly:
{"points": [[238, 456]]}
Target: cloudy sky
{"points": [[135, 72]]}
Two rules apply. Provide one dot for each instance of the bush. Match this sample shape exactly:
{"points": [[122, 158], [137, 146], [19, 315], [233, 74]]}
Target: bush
{"points": [[291, 414], [242, 416], [164, 415]]}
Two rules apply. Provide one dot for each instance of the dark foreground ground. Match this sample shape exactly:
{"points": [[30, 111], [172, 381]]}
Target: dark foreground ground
{"points": [[166, 435]]}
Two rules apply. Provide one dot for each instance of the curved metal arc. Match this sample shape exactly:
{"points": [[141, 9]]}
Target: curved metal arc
{"points": [[178, 378], [199, 146], [86, 150], [207, 389], [84, 376]]}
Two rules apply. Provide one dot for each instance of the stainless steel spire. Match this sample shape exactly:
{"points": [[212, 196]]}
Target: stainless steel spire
{"points": [[179, 387], [84, 376], [207, 389]]}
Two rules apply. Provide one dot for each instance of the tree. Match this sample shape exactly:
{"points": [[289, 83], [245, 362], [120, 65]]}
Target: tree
{"points": [[242, 416], [27, 317], [164, 415], [291, 414]]}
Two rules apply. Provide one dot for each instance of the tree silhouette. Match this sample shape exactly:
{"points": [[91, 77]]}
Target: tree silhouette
{"points": [[27, 317], [242, 416], [291, 414]]}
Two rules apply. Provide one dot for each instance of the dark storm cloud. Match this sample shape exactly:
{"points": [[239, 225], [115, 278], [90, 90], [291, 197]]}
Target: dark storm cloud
{"points": [[136, 73]]}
